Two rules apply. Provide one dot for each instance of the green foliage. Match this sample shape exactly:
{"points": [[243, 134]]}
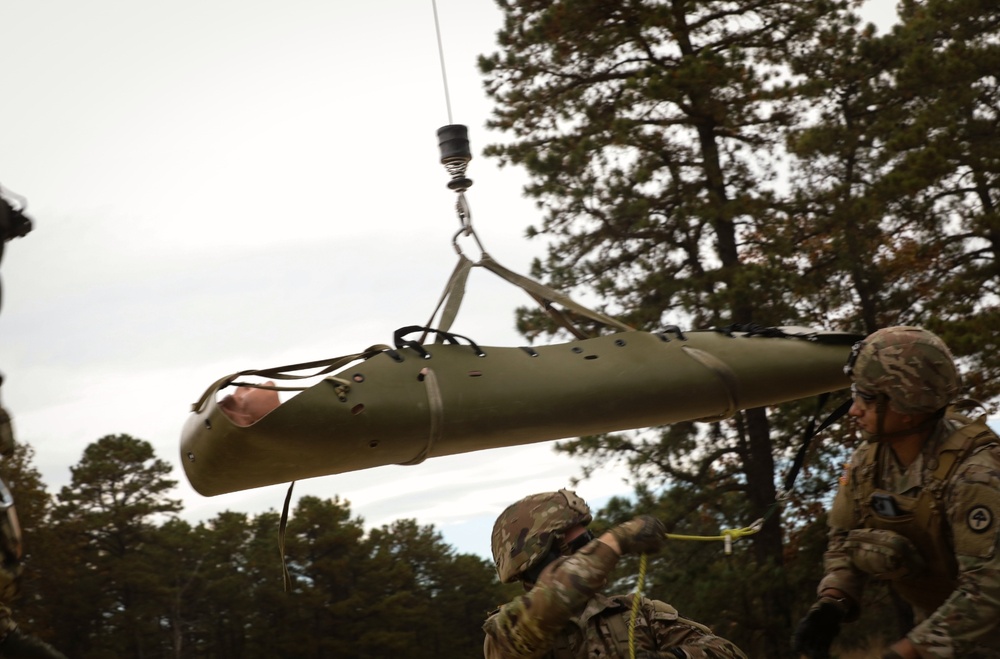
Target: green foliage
{"points": [[114, 573], [773, 162], [699, 163]]}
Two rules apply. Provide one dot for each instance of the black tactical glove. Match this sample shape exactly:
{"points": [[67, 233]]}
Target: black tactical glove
{"points": [[816, 631], [643, 535], [21, 646]]}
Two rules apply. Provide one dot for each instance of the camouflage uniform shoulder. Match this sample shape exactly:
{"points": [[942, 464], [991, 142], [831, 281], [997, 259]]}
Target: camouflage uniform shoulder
{"points": [[656, 607], [861, 453]]}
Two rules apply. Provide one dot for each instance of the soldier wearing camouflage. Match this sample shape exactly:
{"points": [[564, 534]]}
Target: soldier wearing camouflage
{"points": [[543, 542], [917, 506]]}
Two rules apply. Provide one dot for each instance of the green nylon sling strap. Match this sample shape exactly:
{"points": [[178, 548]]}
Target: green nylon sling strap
{"points": [[454, 293], [545, 296], [435, 404], [285, 373], [451, 298]]}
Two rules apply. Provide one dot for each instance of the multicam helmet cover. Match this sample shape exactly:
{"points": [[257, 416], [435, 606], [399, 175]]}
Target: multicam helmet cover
{"points": [[911, 366], [525, 532]]}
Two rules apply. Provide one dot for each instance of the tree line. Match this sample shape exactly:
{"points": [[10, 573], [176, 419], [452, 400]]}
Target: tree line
{"points": [[112, 571], [700, 163], [710, 163]]}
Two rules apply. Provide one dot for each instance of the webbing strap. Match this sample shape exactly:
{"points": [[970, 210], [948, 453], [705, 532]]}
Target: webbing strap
{"points": [[546, 295], [719, 368], [976, 434], [454, 293], [561, 319], [435, 403], [285, 373]]}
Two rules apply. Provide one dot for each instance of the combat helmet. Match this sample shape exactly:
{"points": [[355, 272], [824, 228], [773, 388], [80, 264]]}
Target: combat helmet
{"points": [[910, 366], [526, 531]]}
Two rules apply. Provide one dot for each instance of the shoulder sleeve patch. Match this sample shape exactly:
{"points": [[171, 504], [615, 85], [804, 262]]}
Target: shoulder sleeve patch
{"points": [[973, 512]]}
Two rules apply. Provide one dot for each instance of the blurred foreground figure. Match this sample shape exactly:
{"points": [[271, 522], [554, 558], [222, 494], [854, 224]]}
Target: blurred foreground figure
{"points": [[543, 542], [13, 644], [918, 506], [13, 224]]}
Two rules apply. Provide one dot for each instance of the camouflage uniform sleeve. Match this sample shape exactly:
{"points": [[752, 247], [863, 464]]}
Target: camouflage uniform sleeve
{"points": [[966, 623], [839, 570], [526, 627]]}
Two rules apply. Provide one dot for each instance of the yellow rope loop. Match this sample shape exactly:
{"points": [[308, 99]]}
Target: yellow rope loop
{"points": [[727, 536], [635, 606]]}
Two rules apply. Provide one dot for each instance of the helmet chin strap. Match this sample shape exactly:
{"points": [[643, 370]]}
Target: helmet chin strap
{"points": [[560, 548]]}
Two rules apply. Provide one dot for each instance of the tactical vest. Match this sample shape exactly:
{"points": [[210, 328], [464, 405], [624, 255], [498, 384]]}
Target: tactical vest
{"points": [[922, 518]]}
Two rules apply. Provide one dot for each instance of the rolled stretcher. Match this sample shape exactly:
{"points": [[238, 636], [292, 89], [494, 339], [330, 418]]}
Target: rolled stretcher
{"points": [[403, 405]]}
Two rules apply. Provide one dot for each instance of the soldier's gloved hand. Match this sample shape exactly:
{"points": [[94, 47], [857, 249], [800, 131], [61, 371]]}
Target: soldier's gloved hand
{"points": [[816, 631], [643, 535], [22, 646]]}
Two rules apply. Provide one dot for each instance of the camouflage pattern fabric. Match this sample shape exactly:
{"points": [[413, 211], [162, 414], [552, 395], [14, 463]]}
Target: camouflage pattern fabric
{"points": [[909, 365], [962, 620], [564, 617], [526, 531]]}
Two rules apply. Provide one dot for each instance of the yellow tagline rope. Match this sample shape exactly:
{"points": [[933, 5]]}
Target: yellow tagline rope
{"points": [[635, 606], [726, 536]]}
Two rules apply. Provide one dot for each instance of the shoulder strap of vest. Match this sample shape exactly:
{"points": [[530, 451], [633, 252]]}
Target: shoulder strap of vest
{"points": [[960, 444], [970, 436]]}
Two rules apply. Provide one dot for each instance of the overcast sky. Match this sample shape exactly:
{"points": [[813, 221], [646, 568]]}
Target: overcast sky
{"points": [[219, 185]]}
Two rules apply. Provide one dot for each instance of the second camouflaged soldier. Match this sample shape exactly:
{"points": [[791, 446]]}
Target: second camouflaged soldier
{"points": [[543, 541], [919, 506]]}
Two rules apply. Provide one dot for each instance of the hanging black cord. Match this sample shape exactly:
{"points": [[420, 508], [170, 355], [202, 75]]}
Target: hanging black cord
{"points": [[286, 578], [812, 431]]}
